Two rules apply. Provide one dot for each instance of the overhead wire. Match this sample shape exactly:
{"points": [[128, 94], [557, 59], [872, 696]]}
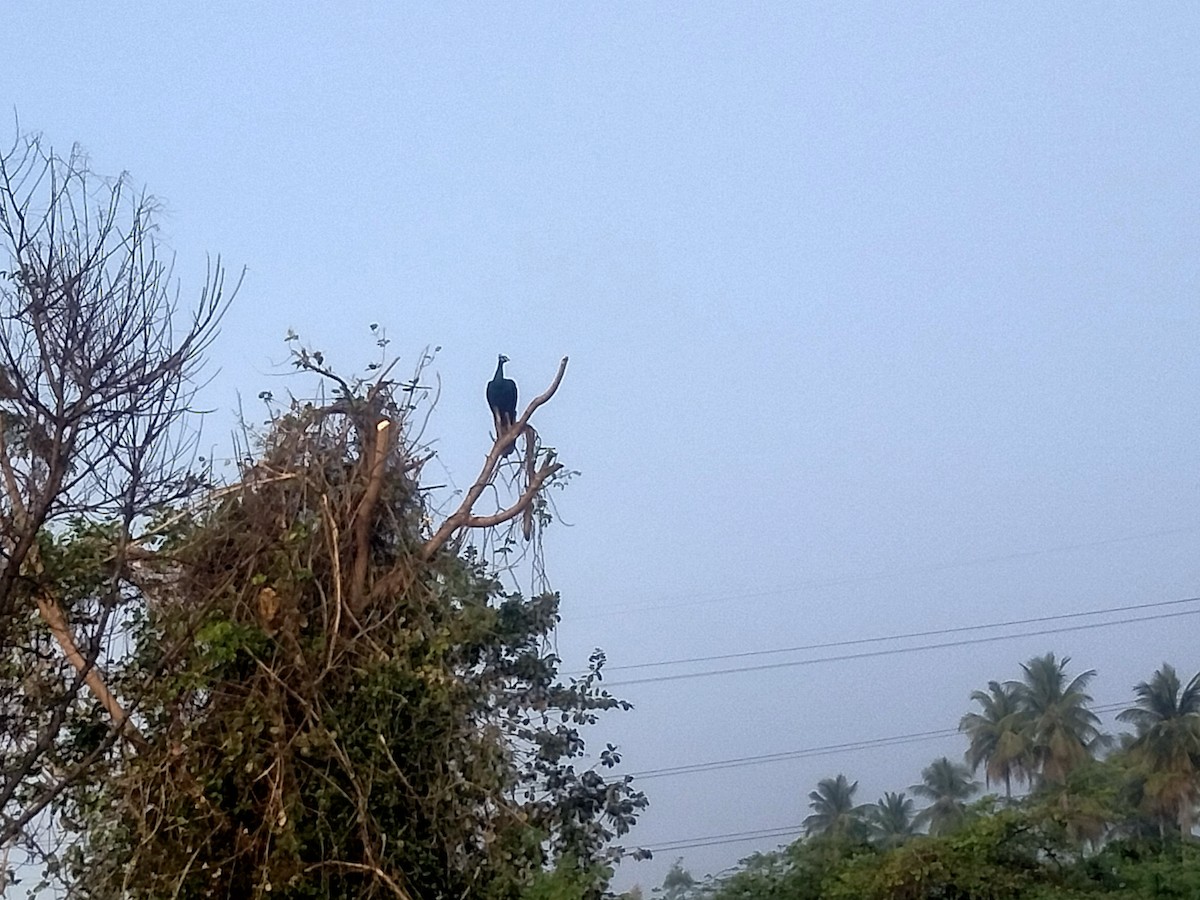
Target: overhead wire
{"points": [[961, 629], [736, 837], [823, 750], [873, 743], [895, 651]]}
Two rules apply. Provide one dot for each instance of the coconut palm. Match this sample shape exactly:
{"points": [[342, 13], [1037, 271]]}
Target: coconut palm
{"points": [[947, 785], [891, 820], [999, 735], [1166, 717], [833, 808], [1063, 731]]}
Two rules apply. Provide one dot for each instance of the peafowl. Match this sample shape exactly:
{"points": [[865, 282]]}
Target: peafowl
{"points": [[502, 398]]}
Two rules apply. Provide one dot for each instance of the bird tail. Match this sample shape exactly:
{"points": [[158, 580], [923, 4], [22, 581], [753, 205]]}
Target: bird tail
{"points": [[506, 424]]}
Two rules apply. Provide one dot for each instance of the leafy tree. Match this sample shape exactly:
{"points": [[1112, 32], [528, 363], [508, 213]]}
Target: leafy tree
{"points": [[335, 697], [1000, 736], [891, 820], [947, 785], [1166, 716], [1082, 835], [995, 857], [833, 809], [678, 882], [98, 365], [800, 871], [1064, 731], [306, 682], [1094, 803], [391, 722], [1137, 869]]}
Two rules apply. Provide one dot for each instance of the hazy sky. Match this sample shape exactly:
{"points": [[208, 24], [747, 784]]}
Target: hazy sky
{"points": [[882, 319]]}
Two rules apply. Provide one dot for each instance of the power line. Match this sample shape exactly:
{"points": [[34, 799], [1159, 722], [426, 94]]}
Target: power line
{"points": [[888, 574], [897, 637], [893, 651], [737, 837], [734, 837], [824, 750]]}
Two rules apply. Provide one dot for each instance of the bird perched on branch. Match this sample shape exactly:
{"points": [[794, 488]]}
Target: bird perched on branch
{"points": [[502, 398]]}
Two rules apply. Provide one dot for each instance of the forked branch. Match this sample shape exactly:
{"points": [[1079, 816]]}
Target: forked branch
{"points": [[464, 516]]}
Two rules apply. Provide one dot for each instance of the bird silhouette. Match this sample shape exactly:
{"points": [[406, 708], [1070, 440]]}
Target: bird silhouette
{"points": [[502, 398]]}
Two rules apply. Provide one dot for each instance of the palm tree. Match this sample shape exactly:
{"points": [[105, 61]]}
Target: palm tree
{"points": [[1063, 731], [891, 820], [833, 809], [999, 735], [947, 785], [1166, 717]]}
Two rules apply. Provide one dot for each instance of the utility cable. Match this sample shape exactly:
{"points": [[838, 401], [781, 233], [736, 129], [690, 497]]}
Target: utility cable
{"points": [[737, 837], [894, 651], [899, 637], [738, 762], [731, 838], [825, 750]]}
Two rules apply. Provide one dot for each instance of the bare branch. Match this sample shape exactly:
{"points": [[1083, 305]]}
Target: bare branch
{"points": [[364, 513], [462, 517], [546, 472], [98, 368], [56, 621], [10, 479], [383, 876]]}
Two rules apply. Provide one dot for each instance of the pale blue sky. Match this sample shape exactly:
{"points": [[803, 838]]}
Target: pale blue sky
{"points": [[848, 289]]}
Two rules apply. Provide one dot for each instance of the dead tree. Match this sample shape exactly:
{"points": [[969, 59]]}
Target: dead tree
{"points": [[98, 363]]}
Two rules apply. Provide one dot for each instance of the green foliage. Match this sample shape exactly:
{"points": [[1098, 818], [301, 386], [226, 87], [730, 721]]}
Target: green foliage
{"points": [[1140, 869], [991, 858], [834, 811], [1000, 735], [677, 884], [892, 820], [1090, 828], [331, 711], [565, 882], [1166, 748], [1010, 854], [1063, 731], [798, 872], [947, 786]]}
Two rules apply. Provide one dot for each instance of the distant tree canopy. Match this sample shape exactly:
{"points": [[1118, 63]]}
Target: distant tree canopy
{"points": [[301, 681], [1103, 818]]}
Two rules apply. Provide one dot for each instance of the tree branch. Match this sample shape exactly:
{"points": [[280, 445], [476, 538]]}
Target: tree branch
{"points": [[362, 518], [383, 876], [462, 517], [56, 621], [526, 499], [10, 478]]}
